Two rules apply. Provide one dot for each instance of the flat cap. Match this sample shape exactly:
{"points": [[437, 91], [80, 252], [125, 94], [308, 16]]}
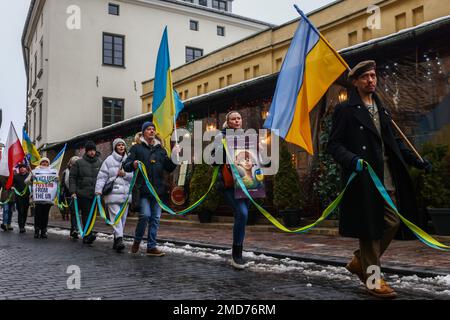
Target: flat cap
{"points": [[361, 68]]}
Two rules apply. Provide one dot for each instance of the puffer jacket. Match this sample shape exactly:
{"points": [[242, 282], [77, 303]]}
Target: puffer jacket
{"points": [[83, 176], [108, 172]]}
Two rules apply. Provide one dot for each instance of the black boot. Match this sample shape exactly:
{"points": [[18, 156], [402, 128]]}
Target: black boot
{"points": [[43, 234], [115, 244], [3, 227], [120, 245], [237, 261], [36, 233]]}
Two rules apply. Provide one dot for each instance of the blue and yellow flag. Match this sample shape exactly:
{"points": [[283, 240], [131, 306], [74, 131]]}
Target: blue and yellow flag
{"points": [[166, 104], [57, 161], [311, 66], [29, 149]]}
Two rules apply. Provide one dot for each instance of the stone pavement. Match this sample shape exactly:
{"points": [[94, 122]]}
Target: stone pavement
{"points": [[402, 257], [38, 269]]}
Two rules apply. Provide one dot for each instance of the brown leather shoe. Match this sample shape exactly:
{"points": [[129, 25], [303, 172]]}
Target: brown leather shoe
{"points": [[355, 268], [135, 247], [155, 252], [385, 291]]}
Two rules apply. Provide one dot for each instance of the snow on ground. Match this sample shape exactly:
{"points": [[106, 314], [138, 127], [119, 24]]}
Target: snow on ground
{"points": [[439, 285]]}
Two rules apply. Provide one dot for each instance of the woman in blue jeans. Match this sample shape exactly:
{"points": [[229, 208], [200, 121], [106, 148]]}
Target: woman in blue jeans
{"points": [[233, 120]]}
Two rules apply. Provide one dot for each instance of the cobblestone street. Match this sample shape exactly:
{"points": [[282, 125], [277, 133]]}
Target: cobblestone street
{"points": [[37, 269]]}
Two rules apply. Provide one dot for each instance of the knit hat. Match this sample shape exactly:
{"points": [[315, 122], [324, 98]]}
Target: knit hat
{"points": [[90, 145], [44, 159], [146, 125], [361, 68], [117, 141]]}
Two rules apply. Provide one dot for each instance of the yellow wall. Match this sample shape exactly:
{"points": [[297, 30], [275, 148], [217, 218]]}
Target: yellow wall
{"points": [[262, 53]]}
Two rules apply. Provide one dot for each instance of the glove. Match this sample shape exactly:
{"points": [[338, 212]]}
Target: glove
{"points": [[358, 164], [425, 165]]}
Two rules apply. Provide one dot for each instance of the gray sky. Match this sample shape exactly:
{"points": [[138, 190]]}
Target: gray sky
{"points": [[12, 72]]}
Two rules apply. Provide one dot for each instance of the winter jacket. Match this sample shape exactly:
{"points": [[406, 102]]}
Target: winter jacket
{"points": [[83, 176], [108, 172], [19, 183], [156, 161]]}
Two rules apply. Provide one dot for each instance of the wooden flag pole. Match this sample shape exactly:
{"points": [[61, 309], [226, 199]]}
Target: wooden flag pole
{"points": [[406, 140]]}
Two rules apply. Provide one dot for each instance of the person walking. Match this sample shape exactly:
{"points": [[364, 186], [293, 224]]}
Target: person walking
{"points": [[22, 201], [151, 153], [7, 198], [362, 131], [42, 207], [65, 193], [82, 179], [111, 172]]}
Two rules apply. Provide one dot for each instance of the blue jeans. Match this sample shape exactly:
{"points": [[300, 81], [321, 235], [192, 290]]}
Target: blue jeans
{"points": [[7, 213], [240, 210], [150, 214]]}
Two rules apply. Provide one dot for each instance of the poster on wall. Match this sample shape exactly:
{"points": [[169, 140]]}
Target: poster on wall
{"points": [[246, 160], [45, 185]]}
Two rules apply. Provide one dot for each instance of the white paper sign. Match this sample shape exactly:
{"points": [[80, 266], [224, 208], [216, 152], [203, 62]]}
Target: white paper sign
{"points": [[45, 185]]}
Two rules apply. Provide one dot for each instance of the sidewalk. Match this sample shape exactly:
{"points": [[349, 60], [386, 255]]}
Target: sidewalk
{"points": [[402, 257]]}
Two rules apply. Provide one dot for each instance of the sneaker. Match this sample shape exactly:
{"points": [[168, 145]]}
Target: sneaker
{"points": [[355, 268], [9, 227], [154, 252], [384, 292], [22, 230], [3, 227], [89, 239], [44, 235], [135, 247]]}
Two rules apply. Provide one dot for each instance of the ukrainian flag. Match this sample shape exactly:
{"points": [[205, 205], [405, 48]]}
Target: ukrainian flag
{"points": [[29, 149], [57, 161], [166, 104], [310, 67]]}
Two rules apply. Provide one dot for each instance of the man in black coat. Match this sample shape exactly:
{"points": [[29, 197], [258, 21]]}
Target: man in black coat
{"points": [[151, 153], [362, 130], [82, 179]]}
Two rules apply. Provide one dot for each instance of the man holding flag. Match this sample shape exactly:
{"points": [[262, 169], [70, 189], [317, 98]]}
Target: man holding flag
{"points": [[152, 154]]}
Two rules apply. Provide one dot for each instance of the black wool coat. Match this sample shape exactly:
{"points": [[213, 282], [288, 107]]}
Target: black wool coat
{"points": [[353, 135]]}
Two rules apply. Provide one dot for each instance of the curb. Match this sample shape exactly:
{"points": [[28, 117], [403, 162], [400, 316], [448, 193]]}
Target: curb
{"points": [[403, 270]]}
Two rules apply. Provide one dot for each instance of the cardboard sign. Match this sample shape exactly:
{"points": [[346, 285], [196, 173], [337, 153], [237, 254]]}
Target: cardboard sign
{"points": [[245, 156], [45, 185]]}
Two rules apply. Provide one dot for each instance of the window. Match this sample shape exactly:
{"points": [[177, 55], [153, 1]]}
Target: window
{"points": [[113, 9], [113, 50], [352, 38], [279, 63], [34, 126], [41, 58], [199, 89], [193, 25], [229, 79], [400, 22], [35, 67], [193, 53], [203, 3], [205, 87], [247, 74], [221, 82], [219, 4], [186, 94], [42, 19], [112, 111], [40, 121], [221, 31], [418, 16], [367, 34], [256, 71]]}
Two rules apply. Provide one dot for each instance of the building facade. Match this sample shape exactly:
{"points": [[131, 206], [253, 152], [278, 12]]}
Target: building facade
{"points": [[85, 59]]}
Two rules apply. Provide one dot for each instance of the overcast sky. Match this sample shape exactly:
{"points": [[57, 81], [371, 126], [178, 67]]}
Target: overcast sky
{"points": [[12, 73]]}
